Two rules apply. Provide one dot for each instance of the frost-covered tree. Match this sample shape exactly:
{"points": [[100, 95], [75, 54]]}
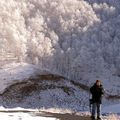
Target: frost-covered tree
{"points": [[73, 38]]}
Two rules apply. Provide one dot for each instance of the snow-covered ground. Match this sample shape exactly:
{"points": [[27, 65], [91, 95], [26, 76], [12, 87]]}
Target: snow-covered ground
{"points": [[18, 72], [49, 114], [22, 116], [13, 73], [112, 109]]}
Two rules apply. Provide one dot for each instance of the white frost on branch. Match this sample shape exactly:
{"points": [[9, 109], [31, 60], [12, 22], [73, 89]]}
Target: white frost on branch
{"points": [[73, 38]]}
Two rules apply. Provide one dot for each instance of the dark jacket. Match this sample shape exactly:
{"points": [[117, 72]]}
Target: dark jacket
{"points": [[97, 92]]}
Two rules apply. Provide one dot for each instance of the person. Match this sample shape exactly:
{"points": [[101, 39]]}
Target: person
{"points": [[97, 92]]}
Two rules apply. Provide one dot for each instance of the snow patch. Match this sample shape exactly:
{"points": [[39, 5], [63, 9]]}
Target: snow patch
{"points": [[17, 72]]}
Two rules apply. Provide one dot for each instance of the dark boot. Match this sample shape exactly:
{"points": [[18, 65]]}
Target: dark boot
{"points": [[93, 117], [99, 118]]}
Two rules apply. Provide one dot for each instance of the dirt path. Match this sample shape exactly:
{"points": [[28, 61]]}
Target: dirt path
{"points": [[27, 115], [66, 116], [42, 115]]}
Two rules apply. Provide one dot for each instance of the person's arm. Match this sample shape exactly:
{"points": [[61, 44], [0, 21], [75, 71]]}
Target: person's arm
{"points": [[102, 90]]}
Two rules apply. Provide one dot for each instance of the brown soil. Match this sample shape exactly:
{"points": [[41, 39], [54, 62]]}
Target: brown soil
{"points": [[66, 116]]}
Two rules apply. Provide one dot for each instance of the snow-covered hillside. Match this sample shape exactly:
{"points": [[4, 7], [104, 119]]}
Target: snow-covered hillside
{"points": [[25, 85], [74, 38], [78, 40]]}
